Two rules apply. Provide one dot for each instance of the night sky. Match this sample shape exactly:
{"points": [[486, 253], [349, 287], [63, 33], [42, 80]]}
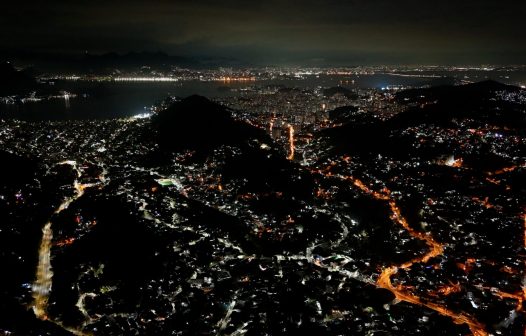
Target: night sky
{"points": [[320, 32]]}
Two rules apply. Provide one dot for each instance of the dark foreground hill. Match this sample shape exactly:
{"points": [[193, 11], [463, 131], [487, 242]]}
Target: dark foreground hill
{"points": [[486, 103], [196, 123], [240, 151], [343, 114], [13, 82], [460, 94]]}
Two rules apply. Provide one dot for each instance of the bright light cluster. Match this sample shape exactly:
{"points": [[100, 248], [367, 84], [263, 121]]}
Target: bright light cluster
{"points": [[145, 79]]}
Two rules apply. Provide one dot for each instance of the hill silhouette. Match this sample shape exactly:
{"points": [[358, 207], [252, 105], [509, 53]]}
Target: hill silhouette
{"points": [[13, 82], [342, 114], [459, 93], [445, 103], [15, 169], [196, 123], [442, 106], [106, 63]]}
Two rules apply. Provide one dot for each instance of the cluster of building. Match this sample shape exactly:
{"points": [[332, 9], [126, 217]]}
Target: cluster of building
{"points": [[248, 74], [323, 242], [295, 115]]}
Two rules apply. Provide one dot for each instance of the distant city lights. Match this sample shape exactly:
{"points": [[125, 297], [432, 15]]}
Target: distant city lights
{"points": [[145, 79], [145, 115]]}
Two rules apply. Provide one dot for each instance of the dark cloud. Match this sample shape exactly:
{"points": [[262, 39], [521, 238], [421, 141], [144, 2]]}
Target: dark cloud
{"points": [[368, 31]]}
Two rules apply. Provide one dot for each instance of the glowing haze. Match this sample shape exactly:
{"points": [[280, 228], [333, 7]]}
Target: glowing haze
{"points": [[320, 32]]}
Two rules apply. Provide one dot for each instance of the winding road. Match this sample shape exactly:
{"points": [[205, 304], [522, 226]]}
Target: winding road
{"points": [[44, 273]]}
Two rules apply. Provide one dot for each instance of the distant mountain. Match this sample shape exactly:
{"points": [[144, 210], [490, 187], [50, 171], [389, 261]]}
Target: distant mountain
{"points": [[154, 60], [108, 62], [13, 82], [133, 59]]}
